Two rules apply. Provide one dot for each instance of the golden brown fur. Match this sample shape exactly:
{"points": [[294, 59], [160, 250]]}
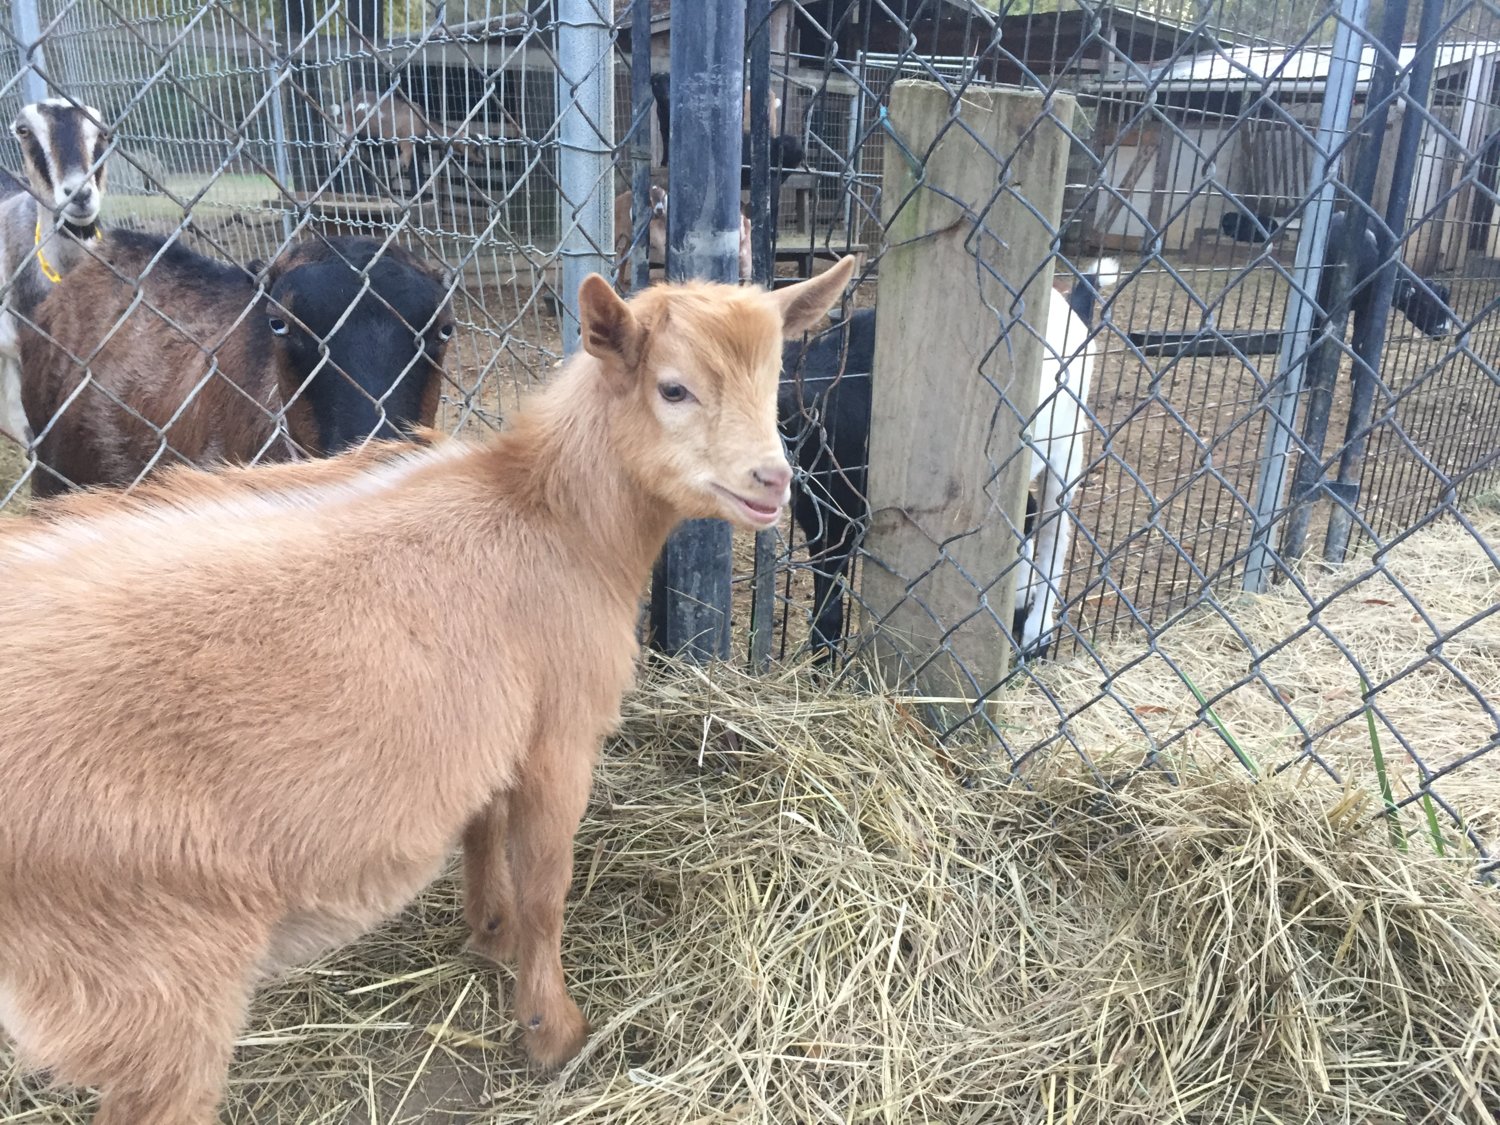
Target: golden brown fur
{"points": [[248, 714], [164, 488]]}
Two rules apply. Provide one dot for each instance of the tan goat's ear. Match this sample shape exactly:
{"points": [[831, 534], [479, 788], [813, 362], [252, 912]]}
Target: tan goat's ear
{"points": [[610, 331], [807, 302]]}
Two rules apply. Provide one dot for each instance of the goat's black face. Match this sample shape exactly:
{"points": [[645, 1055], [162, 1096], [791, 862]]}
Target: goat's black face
{"points": [[1426, 304], [367, 360], [63, 147]]}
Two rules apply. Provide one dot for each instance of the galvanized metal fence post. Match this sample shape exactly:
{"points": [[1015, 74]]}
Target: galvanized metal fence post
{"points": [[640, 141], [691, 594], [585, 162], [1301, 305], [26, 23], [1370, 335], [281, 156]]}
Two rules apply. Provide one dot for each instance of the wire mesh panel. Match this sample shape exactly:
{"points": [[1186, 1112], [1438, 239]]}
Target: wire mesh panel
{"points": [[240, 132], [1253, 405]]}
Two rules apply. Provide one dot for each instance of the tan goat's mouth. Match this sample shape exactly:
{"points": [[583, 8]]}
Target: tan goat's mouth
{"points": [[754, 512]]}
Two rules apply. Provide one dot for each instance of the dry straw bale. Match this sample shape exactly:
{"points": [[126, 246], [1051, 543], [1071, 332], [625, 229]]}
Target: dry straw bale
{"points": [[786, 909]]}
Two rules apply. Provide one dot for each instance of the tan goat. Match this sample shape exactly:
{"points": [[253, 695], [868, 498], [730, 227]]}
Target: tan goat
{"points": [[247, 715]]}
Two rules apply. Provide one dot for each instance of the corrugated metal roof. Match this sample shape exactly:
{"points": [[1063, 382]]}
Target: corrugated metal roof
{"points": [[1278, 69]]}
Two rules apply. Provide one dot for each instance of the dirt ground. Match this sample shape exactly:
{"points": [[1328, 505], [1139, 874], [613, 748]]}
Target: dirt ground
{"points": [[1167, 501]]}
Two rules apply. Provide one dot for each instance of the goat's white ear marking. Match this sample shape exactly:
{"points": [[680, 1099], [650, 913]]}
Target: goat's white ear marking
{"points": [[610, 331], [804, 304]]}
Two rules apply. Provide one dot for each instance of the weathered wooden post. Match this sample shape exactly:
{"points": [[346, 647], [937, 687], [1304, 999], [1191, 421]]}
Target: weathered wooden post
{"points": [[971, 208]]}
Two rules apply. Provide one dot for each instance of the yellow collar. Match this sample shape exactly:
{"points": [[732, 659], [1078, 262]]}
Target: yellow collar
{"points": [[41, 259]]}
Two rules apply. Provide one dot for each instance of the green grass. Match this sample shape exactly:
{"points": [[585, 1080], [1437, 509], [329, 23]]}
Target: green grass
{"points": [[1377, 753], [1229, 739]]}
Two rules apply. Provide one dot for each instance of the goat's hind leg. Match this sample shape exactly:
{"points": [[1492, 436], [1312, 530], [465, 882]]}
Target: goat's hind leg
{"points": [[1026, 574], [1050, 557], [828, 607], [172, 1105], [830, 555], [489, 894], [146, 1013], [178, 1043]]}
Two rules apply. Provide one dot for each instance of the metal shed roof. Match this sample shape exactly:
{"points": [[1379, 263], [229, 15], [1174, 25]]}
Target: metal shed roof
{"points": [[1281, 71]]}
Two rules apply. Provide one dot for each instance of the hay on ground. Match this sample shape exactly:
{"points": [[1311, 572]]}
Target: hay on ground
{"points": [[1280, 672], [786, 909]]}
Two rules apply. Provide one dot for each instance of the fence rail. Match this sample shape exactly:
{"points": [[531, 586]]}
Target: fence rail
{"points": [[1274, 506]]}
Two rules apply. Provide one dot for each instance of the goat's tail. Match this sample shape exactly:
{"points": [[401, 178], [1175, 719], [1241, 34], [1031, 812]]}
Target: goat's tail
{"points": [[1093, 280]]}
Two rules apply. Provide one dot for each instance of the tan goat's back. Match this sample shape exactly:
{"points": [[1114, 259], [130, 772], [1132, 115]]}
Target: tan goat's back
{"points": [[248, 714]]}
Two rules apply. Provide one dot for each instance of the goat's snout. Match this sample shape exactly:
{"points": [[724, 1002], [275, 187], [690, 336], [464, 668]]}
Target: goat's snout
{"points": [[79, 198], [756, 499], [775, 477]]}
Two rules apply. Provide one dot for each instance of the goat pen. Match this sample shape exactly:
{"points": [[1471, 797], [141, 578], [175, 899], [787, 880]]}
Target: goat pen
{"points": [[954, 882]]}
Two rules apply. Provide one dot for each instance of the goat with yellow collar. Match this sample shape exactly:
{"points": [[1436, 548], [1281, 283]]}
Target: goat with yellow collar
{"points": [[63, 145]]}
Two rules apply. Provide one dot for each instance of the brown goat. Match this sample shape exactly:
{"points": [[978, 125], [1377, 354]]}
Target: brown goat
{"points": [[244, 722], [204, 367], [656, 233], [401, 134], [656, 236], [225, 481]]}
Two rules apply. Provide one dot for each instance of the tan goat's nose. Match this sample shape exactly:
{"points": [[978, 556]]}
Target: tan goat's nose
{"points": [[774, 476]]}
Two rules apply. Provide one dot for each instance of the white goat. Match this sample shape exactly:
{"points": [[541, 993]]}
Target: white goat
{"points": [[62, 147], [824, 406], [1059, 438]]}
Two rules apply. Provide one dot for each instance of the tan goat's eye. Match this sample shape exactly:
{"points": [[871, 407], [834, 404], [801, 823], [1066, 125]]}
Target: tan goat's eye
{"points": [[674, 392]]}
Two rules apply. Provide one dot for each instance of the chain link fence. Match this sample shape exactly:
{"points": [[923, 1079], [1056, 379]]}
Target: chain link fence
{"points": [[1267, 525], [1283, 532]]}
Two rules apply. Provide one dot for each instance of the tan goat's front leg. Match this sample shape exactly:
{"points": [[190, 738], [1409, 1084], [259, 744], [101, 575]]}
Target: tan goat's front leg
{"points": [[544, 812], [181, 1107], [489, 895]]}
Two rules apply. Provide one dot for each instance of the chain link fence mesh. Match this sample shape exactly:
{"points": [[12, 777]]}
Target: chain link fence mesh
{"points": [[1208, 148], [1203, 141]]}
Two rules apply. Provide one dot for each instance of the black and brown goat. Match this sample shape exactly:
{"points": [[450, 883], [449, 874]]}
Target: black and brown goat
{"points": [[344, 341]]}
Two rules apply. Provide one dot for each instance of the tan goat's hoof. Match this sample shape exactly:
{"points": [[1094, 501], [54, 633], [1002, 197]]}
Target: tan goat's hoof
{"points": [[554, 1041]]}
